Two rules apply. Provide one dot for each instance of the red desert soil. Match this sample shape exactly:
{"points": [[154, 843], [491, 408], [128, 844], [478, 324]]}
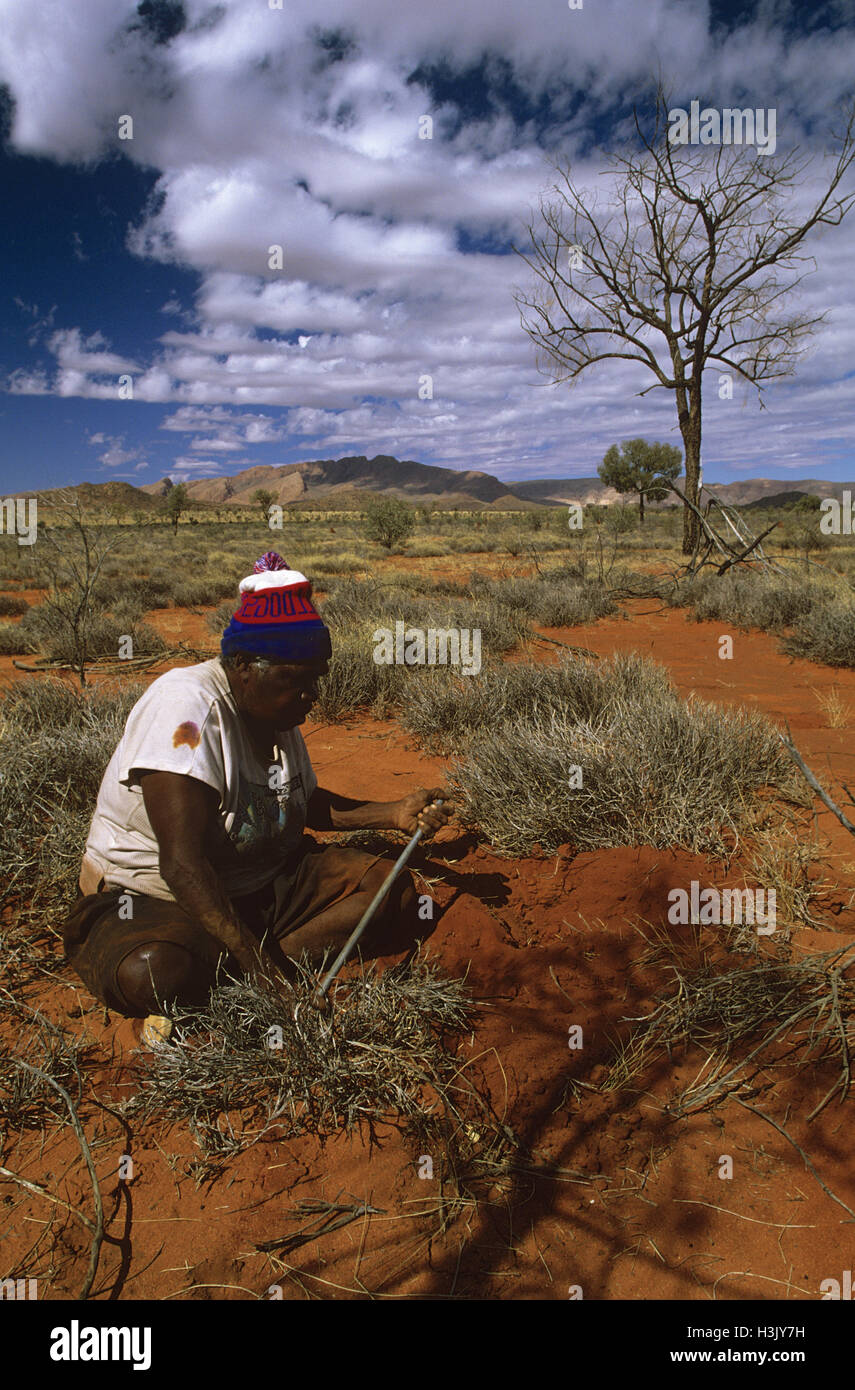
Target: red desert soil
{"points": [[547, 943]]}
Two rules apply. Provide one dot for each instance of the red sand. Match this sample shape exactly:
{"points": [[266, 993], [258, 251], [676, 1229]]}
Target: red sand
{"points": [[547, 943]]}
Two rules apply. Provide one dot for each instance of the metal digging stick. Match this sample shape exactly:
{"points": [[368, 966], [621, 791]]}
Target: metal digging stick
{"points": [[318, 999]]}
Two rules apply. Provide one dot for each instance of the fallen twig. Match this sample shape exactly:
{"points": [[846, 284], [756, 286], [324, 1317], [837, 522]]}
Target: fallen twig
{"points": [[40, 1191], [348, 1212], [577, 651], [800, 1150], [98, 1230]]}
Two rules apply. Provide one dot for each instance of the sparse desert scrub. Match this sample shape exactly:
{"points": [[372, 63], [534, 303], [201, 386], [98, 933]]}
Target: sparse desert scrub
{"points": [[433, 550], [550, 602], [27, 1101], [361, 601], [12, 607], [162, 588], [822, 621], [312, 564], [48, 633], [355, 681], [202, 591], [654, 769], [54, 745], [444, 710], [842, 562], [749, 599], [12, 641], [154, 589], [782, 859], [826, 634], [219, 620], [775, 1014], [350, 600]]}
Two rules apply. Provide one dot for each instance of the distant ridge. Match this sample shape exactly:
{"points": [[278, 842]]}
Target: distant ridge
{"points": [[290, 483], [349, 483], [770, 490], [747, 492]]}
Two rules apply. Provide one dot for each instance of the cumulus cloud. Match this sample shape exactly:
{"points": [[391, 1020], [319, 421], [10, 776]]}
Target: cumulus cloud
{"points": [[356, 277], [115, 452]]}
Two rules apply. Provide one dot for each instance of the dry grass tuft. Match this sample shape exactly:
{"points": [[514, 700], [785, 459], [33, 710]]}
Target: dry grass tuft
{"points": [[838, 714], [54, 745], [803, 1013], [252, 1064], [26, 1100], [825, 634], [654, 769], [781, 859]]}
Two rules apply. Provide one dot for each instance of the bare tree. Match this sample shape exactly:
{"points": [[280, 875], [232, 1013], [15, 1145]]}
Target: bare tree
{"points": [[687, 266], [75, 553]]}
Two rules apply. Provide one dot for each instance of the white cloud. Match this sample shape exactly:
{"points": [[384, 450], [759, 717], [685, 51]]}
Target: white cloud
{"points": [[21, 382], [116, 454], [262, 143], [194, 467], [221, 445], [88, 356]]}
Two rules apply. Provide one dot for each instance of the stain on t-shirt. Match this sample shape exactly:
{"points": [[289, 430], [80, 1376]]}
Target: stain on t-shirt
{"points": [[188, 733]]}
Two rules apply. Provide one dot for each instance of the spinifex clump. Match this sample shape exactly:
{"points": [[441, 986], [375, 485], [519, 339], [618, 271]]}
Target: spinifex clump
{"points": [[252, 1063]]}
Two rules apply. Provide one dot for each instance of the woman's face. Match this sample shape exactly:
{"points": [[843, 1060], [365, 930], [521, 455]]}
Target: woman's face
{"points": [[280, 695]]}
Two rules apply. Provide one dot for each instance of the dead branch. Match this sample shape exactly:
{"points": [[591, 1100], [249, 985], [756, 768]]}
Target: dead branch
{"points": [[743, 554], [813, 782]]}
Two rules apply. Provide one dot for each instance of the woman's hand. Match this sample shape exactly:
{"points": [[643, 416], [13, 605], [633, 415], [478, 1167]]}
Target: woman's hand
{"points": [[421, 811]]}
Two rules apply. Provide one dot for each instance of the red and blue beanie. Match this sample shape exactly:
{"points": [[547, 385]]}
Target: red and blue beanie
{"points": [[277, 618]]}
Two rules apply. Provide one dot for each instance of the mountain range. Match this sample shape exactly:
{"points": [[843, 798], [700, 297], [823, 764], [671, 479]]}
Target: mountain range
{"points": [[347, 483]]}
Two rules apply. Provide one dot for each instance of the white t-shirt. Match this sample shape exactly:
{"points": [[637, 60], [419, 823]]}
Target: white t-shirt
{"points": [[187, 722]]}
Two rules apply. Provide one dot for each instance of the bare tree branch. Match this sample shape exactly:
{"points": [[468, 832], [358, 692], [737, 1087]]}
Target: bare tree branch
{"points": [[688, 263]]}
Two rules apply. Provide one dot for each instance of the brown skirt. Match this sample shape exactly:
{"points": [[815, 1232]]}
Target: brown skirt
{"points": [[97, 937]]}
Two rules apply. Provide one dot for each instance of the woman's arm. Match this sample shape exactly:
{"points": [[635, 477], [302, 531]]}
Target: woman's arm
{"points": [[180, 810], [329, 811]]}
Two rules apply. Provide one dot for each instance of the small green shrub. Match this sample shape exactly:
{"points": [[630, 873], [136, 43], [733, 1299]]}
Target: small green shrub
{"points": [[389, 521]]}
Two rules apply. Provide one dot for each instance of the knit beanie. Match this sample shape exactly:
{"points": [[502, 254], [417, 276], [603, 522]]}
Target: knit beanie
{"points": [[276, 617]]}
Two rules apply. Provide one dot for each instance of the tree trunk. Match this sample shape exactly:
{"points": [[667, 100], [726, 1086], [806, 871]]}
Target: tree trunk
{"points": [[690, 428], [641, 509]]}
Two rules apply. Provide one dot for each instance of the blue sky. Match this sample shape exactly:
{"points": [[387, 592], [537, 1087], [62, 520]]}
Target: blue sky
{"points": [[255, 126]]}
